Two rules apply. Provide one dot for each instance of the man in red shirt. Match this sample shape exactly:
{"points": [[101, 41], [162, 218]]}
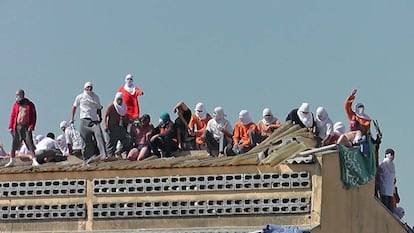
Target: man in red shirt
{"points": [[22, 123], [131, 93]]}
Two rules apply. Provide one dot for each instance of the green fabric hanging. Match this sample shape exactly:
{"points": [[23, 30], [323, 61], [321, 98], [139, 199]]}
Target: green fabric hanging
{"points": [[356, 168]]}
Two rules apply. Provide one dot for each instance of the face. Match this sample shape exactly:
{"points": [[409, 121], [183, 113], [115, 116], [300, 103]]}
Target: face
{"points": [[119, 101], [88, 88], [19, 96], [267, 117], [63, 129]]}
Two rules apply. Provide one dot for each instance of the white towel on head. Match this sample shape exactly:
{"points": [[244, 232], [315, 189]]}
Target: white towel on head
{"points": [[120, 108], [129, 84], [305, 115]]}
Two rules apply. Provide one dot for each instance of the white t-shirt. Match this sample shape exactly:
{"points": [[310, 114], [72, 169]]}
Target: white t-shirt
{"points": [[46, 144], [73, 138], [213, 127], [387, 178], [89, 105]]}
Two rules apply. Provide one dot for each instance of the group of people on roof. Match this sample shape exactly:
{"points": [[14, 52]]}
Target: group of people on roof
{"points": [[133, 135]]}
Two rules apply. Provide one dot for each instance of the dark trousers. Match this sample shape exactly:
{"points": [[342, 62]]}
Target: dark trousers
{"points": [[118, 133], [387, 201], [22, 134], [167, 146], [213, 145], [52, 155]]}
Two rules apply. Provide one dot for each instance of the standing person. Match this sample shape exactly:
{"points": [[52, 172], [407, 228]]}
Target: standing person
{"points": [[90, 119], [130, 94], [359, 113], [218, 133], [387, 179], [115, 122], [73, 139], [22, 123]]}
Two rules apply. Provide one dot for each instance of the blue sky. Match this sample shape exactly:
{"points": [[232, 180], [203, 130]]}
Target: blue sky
{"points": [[235, 54]]}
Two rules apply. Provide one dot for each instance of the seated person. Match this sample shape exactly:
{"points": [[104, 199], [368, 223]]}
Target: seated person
{"points": [[185, 140], [303, 117], [198, 123], [338, 130], [63, 147], [164, 137], [141, 132], [218, 133], [47, 150], [245, 135], [324, 125], [268, 124], [74, 141], [354, 136]]}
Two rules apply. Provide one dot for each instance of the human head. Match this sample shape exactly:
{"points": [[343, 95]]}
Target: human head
{"points": [[119, 98], [304, 108], [38, 138], [88, 86], [145, 119], [19, 95], [267, 114], [50, 135], [60, 139], [219, 114], [164, 116], [321, 114], [129, 80], [339, 128], [200, 110], [359, 108], [244, 117], [399, 212], [389, 153], [63, 125]]}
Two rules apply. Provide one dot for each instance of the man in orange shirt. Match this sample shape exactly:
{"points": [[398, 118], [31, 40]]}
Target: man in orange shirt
{"points": [[359, 114], [245, 135], [198, 124]]}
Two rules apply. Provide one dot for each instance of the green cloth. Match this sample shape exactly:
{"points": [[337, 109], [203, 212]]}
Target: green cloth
{"points": [[356, 168]]}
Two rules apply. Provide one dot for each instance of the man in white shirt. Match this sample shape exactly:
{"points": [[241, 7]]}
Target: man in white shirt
{"points": [[90, 122], [73, 139], [47, 150], [387, 179]]}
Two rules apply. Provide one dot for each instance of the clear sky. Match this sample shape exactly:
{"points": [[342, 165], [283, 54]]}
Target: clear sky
{"points": [[236, 54]]}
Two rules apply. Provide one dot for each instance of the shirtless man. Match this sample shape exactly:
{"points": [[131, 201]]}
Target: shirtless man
{"points": [[22, 123]]}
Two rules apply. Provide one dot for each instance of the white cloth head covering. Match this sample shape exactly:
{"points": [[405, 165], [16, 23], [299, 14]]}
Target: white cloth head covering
{"points": [[87, 84], [39, 137], [63, 124], [120, 108], [200, 111], [219, 114], [90, 96], [359, 111], [305, 115], [339, 128], [244, 117], [321, 117], [129, 84], [399, 212], [268, 117]]}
